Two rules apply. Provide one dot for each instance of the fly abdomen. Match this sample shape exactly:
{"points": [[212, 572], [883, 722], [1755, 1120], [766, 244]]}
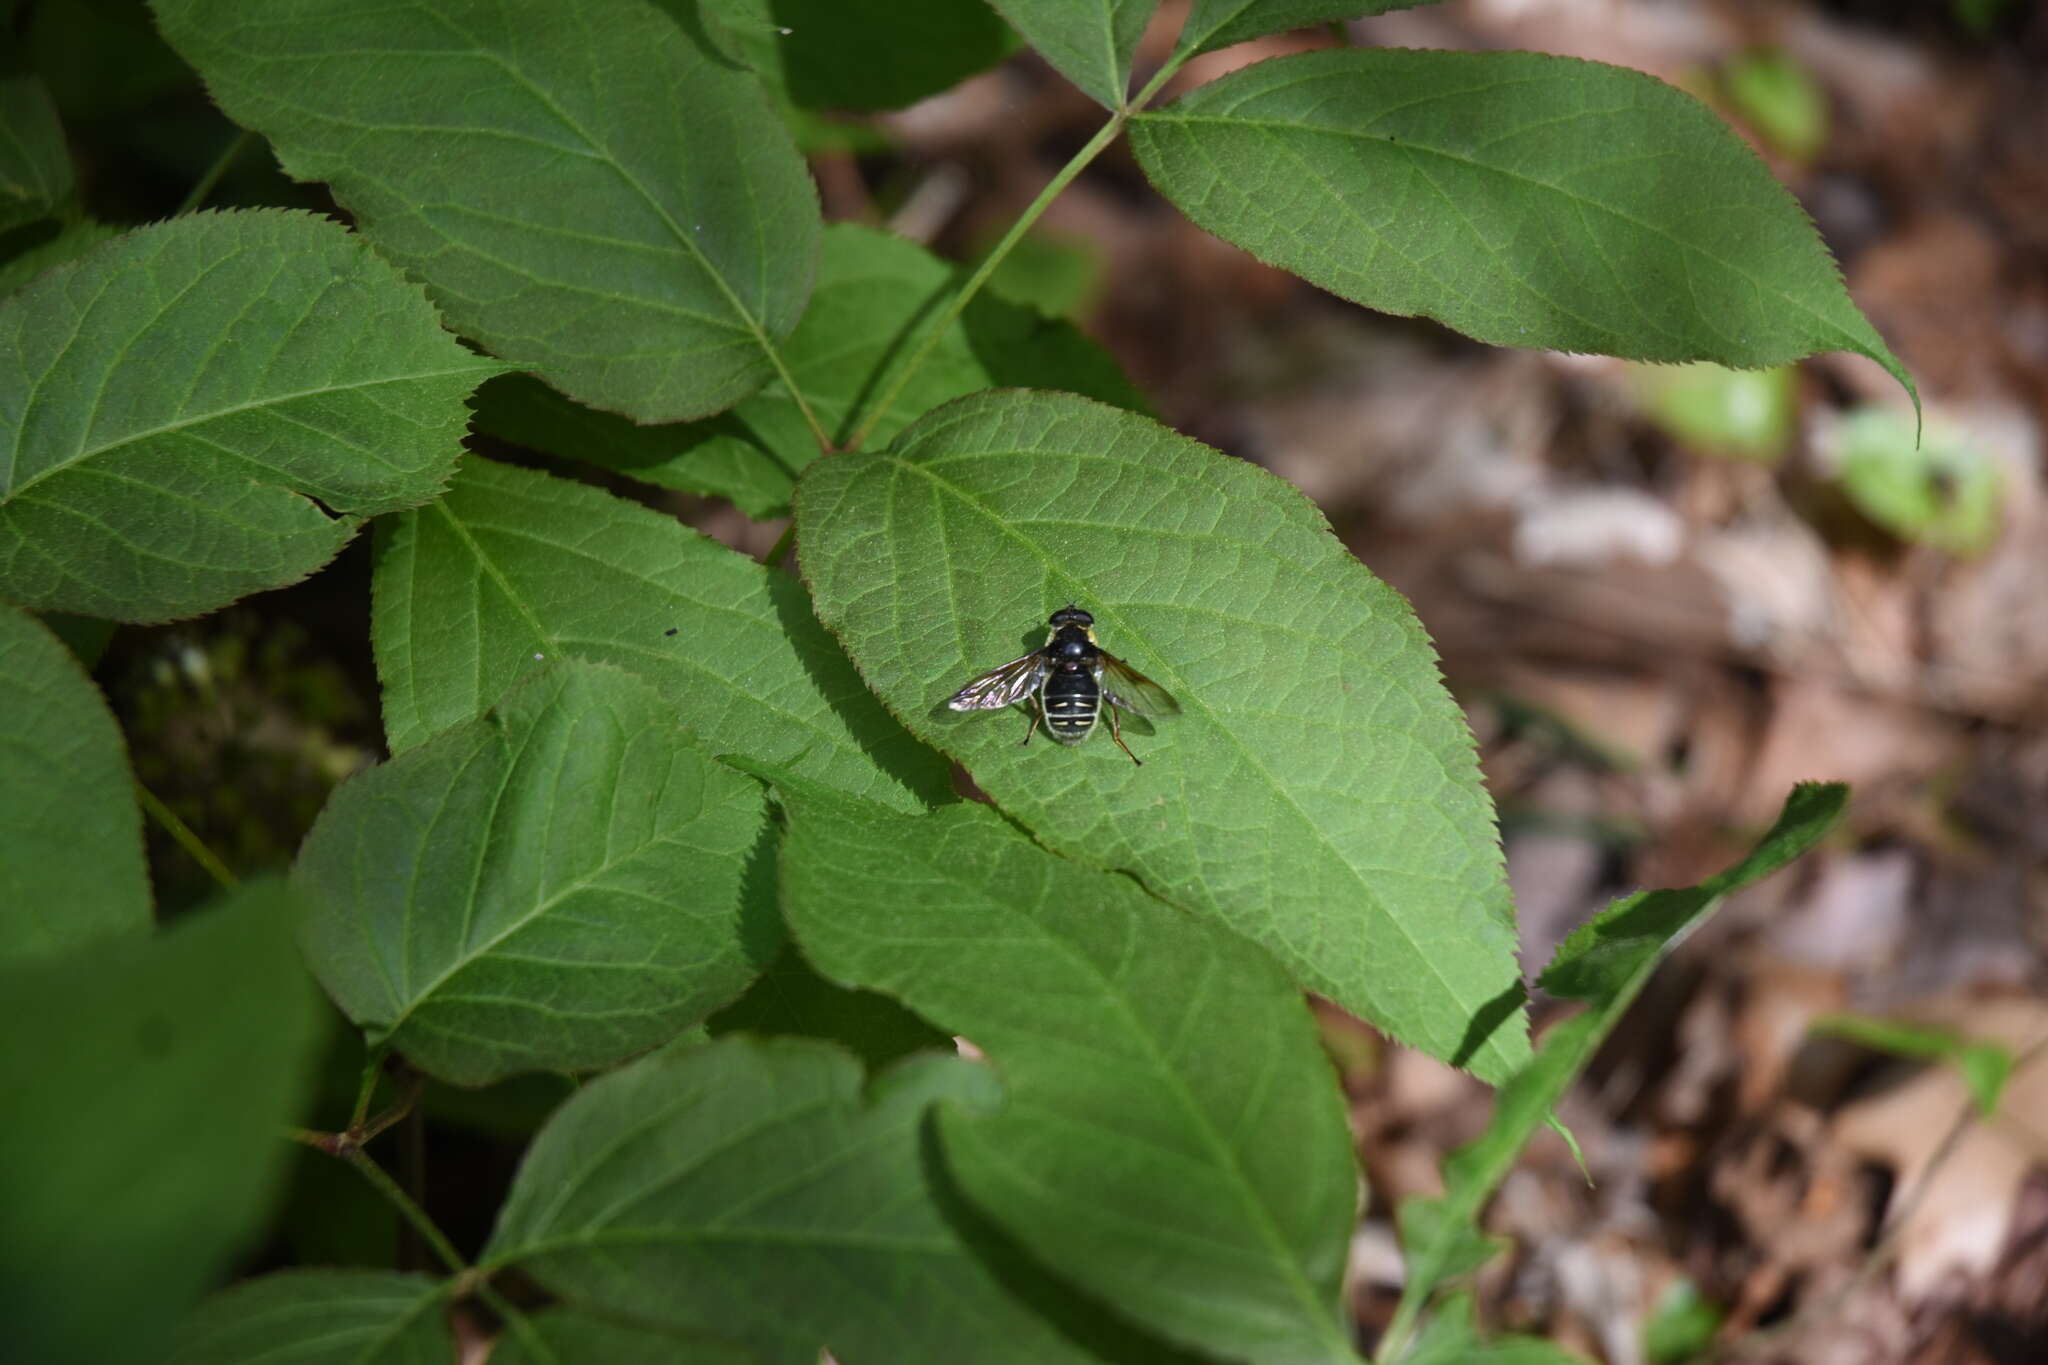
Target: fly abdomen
{"points": [[1072, 701]]}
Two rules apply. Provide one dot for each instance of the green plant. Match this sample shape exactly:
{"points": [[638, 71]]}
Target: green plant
{"points": [[637, 776]]}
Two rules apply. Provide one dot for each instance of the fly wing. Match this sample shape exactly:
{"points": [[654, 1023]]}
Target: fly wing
{"points": [[1000, 687], [1126, 687]]}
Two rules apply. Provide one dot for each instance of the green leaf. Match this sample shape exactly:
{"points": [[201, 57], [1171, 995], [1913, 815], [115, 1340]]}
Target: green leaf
{"points": [[511, 565], [1319, 794], [1452, 1338], [209, 407], [859, 54], [1219, 23], [1778, 98], [1682, 1325], [1604, 962], [748, 1190], [1933, 488], [586, 190], [568, 1337], [1984, 1067], [68, 245], [790, 1000], [320, 1317], [1746, 414], [35, 165], [145, 1084], [1090, 42], [554, 887], [1173, 1140], [873, 289], [72, 872], [1524, 200]]}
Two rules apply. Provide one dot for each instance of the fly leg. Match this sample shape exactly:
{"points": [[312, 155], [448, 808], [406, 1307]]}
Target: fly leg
{"points": [[1117, 735], [1036, 711]]}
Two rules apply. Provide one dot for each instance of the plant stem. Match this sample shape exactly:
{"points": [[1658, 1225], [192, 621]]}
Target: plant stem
{"points": [[966, 292], [373, 1070], [429, 1233], [194, 846], [214, 172]]}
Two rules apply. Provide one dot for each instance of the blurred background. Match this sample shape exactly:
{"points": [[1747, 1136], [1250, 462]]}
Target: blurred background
{"points": [[1663, 594]]}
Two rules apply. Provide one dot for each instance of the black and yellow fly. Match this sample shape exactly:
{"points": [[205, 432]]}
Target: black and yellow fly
{"points": [[1069, 683]]}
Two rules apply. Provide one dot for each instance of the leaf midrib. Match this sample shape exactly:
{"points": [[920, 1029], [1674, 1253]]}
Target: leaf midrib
{"points": [[1269, 125], [165, 428], [1249, 755]]}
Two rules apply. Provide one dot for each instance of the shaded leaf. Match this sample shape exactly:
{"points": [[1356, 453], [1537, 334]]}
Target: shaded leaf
{"points": [[859, 54], [320, 1317], [874, 290], [1604, 962], [72, 871], [586, 190], [68, 245], [209, 407], [568, 1337], [1219, 23], [1173, 1139], [1318, 794], [556, 886], [512, 565], [145, 1087], [1090, 42], [790, 1000], [748, 1190], [35, 165], [1524, 200]]}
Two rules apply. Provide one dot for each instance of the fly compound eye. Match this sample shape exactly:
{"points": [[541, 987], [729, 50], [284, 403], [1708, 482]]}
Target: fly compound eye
{"points": [[1072, 616]]}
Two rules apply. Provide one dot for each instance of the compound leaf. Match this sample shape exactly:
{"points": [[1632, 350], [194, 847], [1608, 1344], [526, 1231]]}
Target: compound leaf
{"points": [[1173, 1139], [1319, 794], [873, 290], [1524, 200], [586, 189], [209, 407], [72, 871], [556, 886], [513, 568]]}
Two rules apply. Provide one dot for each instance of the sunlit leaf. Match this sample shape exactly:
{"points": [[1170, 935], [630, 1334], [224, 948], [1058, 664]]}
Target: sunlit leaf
{"points": [[753, 1192], [146, 1081], [71, 871], [1319, 794], [1524, 200], [513, 568], [209, 407], [1173, 1139], [585, 189], [873, 291], [1936, 488], [1604, 962], [556, 886], [320, 1317]]}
